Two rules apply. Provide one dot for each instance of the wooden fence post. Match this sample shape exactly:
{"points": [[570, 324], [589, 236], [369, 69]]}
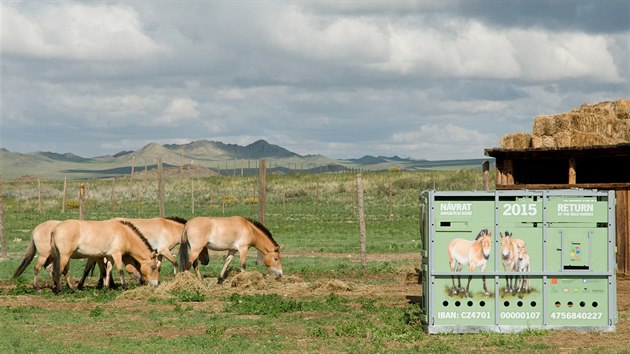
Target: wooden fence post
{"points": [[3, 239], [317, 198], [262, 201], [39, 195], [390, 202], [63, 197], [192, 196], [81, 200], [362, 232], [113, 196], [486, 175], [160, 188]]}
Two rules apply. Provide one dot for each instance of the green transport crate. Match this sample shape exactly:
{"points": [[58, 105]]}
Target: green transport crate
{"points": [[506, 261]]}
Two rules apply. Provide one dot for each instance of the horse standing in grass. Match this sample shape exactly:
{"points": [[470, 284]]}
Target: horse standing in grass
{"points": [[473, 253], [233, 234], [101, 239], [40, 245]]}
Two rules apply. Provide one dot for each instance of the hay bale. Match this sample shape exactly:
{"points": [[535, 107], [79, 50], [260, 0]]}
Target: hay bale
{"points": [[544, 125], [590, 139], [516, 141], [622, 109], [621, 130], [544, 141], [563, 139]]}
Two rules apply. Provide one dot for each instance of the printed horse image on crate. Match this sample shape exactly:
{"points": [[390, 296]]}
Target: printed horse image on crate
{"points": [[474, 254]]}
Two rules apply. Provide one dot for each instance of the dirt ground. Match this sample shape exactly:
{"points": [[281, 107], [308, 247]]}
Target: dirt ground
{"points": [[399, 291]]}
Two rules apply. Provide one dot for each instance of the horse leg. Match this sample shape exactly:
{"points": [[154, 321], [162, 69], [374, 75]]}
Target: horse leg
{"points": [[116, 260], [467, 291], [66, 272], [89, 265], [192, 259], [105, 271], [196, 265], [38, 266], [159, 262], [228, 259], [453, 265], [459, 279], [168, 255], [485, 287], [243, 258]]}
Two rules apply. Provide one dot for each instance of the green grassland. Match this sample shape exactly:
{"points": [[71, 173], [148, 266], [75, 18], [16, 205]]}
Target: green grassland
{"points": [[313, 216]]}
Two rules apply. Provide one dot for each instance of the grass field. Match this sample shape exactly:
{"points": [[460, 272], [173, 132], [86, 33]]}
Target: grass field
{"points": [[326, 302]]}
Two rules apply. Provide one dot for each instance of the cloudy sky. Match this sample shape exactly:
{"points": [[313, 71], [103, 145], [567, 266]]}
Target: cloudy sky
{"points": [[422, 79]]}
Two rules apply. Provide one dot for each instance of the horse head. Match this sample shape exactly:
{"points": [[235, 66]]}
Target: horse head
{"points": [[149, 269], [486, 243], [273, 262]]}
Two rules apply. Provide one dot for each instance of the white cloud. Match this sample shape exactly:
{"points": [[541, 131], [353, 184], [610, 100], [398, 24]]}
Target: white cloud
{"points": [[457, 48], [178, 111], [358, 40], [75, 31]]}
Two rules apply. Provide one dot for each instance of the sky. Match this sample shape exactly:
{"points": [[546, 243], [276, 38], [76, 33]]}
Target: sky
{"points": [[435, 80]]}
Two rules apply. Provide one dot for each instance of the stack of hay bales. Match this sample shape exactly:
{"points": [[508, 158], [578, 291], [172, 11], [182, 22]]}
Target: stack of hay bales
{"points": [[604, 123]]}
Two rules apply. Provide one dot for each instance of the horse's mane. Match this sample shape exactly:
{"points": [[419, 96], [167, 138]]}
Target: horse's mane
{"points": [[262, 228], [177, 219], [481, 233], [135, 229]]}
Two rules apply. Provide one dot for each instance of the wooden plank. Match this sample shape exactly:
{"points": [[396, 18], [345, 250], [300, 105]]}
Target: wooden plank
{"points": [[572, 172], [623, 231]]}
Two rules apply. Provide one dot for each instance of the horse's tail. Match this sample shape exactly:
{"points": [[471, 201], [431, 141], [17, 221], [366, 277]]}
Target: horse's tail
{"points": [[56, 273], [30, 254], [184, 264]]}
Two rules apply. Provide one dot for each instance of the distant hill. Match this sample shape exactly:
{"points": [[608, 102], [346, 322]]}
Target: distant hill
{"points": [[211, 156]]}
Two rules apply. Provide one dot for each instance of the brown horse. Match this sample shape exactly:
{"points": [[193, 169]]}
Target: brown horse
{"points": [[163, 235], [474, 253], [101, 239], [233, 234], [40, 244]]}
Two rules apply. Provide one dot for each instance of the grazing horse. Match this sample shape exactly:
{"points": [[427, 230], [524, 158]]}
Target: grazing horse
{"points": [[233, 234], [163, 235], [473, 253], [101, 239], [40, 244], [522, 265], [508, 259]]}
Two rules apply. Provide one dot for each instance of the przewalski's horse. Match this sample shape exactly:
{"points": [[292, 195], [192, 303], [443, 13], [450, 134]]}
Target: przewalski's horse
{"points": [[473, 253], [508, 259], [522, 265], [40, 245], [233, 234], [163, 235], [101, 239]]}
